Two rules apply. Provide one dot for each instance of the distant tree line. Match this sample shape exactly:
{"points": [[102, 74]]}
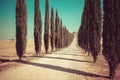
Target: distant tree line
{"points": [[89, 34], [54, 33], [62, 36]]}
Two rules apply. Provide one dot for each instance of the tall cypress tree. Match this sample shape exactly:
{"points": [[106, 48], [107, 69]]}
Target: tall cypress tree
{"points": [[117, 20], [64, 36], [67, 37], [83, 33], [21, 28], [37, 28], [59, 25], [46, 28], [52, 30], [87, 26], [95, 27], [89, 35], [61, 32], [111, 34], [56, 30]]}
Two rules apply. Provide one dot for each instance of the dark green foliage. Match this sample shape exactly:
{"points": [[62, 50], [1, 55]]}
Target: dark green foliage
{"points": [[61, 35], [52, 30], [37, 28], [46, 28], [83, 33], [64, 37], [67, 37], [117, 20], [89, 34], [111, 34], [56, 30], [95, 28], [21, 28]]}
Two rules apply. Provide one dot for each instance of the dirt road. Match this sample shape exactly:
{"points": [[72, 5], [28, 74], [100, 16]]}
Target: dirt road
{"points": [[67, 64]]}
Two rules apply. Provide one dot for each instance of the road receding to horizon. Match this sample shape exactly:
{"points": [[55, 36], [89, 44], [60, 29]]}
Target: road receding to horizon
{"points": [[70, 63]]}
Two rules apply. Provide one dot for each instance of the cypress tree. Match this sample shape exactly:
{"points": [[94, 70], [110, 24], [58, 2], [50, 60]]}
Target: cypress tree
{"points": [[56, 29], [37, 28], [46, 28], [83, 33], [111, 34], [21, 28], [59, 25], [61, 32], [87, 26], [89, 34], [95, 28], [64, 37], [52, 30], [117, 20], [67, 37]]}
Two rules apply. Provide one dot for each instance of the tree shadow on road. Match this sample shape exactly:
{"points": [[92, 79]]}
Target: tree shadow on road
{"points": [[67, 59], [4, 60], [59, 68], [72, 54]]}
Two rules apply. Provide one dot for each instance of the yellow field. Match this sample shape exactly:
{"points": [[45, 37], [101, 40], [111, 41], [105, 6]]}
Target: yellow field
{"points": [[7, 48]]}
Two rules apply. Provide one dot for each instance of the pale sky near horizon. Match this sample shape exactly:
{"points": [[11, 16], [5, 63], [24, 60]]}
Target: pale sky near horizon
{"points": [[70, 11]]}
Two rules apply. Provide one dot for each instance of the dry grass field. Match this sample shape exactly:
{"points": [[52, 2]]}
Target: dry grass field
{"points": [[7, 48]]}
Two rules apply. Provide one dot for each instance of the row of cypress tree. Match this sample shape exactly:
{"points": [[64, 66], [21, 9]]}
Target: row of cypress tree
{"points": [[59, 36], [89, 34], [54, 31]]}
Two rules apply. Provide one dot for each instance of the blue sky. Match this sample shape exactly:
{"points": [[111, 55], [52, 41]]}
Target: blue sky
{"points": [[70, 12]]}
